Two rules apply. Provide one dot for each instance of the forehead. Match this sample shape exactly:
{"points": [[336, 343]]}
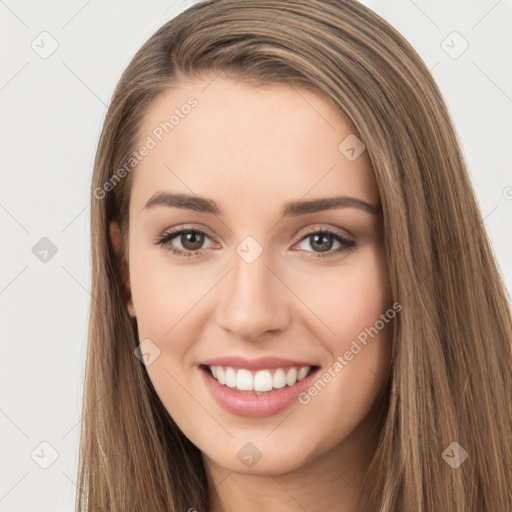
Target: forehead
{"points": [[238, 143]]}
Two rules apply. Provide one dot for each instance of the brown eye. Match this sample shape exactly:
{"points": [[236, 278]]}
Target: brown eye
{"points": [[191, 240], [321, 241], [184, 242]]}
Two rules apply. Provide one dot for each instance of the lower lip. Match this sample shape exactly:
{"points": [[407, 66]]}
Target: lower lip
{"points": [[255, 406]]}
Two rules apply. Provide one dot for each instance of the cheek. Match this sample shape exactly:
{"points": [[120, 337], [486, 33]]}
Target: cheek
{"points": [[166, 296], [351, 297], [355, 307], [166, 299]]}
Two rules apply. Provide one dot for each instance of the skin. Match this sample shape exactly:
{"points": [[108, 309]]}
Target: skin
{"points": [[251, 149]]}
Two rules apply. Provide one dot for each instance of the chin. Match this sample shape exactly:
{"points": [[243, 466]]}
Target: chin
{"points": [[255, 455]]}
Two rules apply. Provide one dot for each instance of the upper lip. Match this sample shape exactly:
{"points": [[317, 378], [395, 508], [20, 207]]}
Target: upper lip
{"points": [[258, 363]]}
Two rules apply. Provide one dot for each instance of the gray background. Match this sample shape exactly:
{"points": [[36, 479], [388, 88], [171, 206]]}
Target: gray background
{"points": [[53, 107]]}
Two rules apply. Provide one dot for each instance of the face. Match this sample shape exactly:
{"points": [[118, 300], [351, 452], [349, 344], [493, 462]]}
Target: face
{"points": [[248, 277]]}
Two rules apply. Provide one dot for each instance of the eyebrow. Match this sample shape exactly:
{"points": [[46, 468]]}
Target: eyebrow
{"points": [[290, 209]]}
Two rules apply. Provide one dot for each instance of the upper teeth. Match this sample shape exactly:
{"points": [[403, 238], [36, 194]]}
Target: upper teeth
{"points": [[262, 380]]}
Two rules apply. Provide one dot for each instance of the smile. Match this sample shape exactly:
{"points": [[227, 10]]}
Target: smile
{"points": [[256, 393], [260, 381]]}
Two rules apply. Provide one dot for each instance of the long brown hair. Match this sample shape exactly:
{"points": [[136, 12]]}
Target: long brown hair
{"points": [[451, 376]]}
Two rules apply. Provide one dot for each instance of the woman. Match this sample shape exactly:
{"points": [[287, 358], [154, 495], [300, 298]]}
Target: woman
{"points": [[296, 306]]}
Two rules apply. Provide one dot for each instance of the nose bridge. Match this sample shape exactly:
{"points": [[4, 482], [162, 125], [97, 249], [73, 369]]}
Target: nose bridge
{"points": [[253, 301]]}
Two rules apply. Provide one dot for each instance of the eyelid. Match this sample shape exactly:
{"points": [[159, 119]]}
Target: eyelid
{"points": [[328, 229], [185, 227]]}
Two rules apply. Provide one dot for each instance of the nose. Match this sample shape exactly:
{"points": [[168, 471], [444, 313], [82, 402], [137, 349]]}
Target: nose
{"points": [[254, 300]]}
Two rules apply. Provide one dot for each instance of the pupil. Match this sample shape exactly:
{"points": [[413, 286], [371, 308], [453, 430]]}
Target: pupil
{"points": [[192, 241], [323, 238]]}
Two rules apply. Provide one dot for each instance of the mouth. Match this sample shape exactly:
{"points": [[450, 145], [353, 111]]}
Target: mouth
{"points": [[258, 382], [256, 393]]}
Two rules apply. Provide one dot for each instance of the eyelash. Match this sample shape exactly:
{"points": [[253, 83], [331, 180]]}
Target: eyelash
{"points": [[164, 242]]}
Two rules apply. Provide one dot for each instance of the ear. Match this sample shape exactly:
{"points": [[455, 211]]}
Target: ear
{"points": [[115, 238]]}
